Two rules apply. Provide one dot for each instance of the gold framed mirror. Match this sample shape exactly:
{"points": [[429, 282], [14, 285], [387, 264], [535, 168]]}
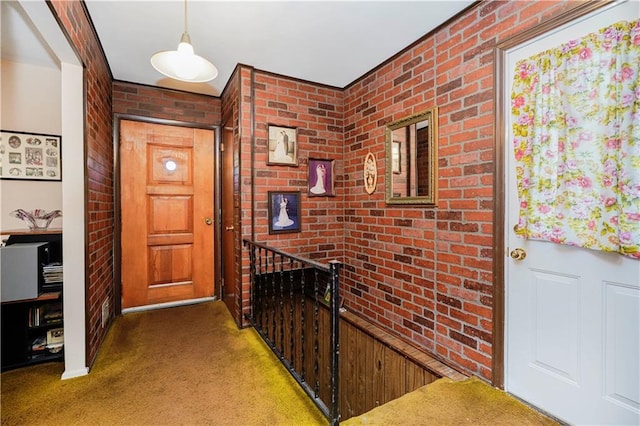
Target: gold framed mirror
{"points": [[412, 159]]}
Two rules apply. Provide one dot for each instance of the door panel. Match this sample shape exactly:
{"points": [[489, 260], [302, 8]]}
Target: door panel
{"points": [[622, 308], [158, 172], [554, 309], [572, 314], [170, 215], [170, 264], [167, 197]]}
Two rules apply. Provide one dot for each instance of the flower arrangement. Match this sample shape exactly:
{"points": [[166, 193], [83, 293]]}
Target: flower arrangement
{"points": [[37, 219]]}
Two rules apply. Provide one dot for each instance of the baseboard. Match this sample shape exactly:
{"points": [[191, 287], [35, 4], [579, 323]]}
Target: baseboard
{"points": [[168, 305], [75, 373]]}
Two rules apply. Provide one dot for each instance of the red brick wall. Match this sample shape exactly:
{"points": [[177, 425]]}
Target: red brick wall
{"points": [[246, 142], [99, 168], [316, 112], [426, 273], [167, 104]]}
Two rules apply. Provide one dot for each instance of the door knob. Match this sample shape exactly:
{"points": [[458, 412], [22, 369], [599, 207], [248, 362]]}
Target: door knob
{"points": [[208, 221], [518, 254], [229, 228]]}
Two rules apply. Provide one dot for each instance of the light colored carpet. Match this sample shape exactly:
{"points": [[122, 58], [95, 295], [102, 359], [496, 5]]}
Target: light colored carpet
{"points": [[187, 365], [191, 365], [445, 402]]}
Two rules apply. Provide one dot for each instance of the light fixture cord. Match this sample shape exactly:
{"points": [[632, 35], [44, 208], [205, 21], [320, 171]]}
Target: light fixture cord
{"points": [[185, 17]]}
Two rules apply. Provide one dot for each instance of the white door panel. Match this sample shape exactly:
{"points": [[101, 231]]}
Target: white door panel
{"points": [[621, 358], [572, 314], [554, 312]]}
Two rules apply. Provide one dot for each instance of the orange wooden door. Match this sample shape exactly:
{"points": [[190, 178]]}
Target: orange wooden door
{"points": [[166, 189], [228, 235]]}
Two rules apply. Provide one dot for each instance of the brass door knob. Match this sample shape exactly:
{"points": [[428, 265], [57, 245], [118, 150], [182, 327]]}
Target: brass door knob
{"points": [[229, 228], [208, 221], [518, 254]]}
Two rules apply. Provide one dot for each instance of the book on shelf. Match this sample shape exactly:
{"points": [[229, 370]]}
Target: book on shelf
{"points": [[46, 344], [39, 344], [34, 316], [52, 273], [45, 314], [55, 340]]}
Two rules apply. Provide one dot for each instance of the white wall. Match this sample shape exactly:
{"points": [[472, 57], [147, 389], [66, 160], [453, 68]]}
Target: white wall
{"points": [[31, 98], [57, 107]]}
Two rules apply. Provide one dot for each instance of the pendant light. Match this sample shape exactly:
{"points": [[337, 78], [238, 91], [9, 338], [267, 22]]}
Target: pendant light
{"points": [[182, 64]]}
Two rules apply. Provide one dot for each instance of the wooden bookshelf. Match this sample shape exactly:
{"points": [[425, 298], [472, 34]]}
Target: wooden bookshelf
{"points": [[44, 297], [33, 328], [31, 232]]}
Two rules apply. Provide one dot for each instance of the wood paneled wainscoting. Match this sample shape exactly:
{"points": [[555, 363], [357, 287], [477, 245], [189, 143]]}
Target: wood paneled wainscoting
{"points": [[377, 367]]}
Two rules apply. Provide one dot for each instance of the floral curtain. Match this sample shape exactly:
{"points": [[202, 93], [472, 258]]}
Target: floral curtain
{"points": [[576, 125]]}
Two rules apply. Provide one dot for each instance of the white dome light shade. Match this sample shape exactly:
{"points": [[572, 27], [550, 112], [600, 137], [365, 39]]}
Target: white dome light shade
{"points": [[184, 65]]}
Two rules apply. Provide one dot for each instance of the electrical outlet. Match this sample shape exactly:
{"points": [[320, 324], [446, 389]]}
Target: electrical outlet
{"points": [[105, 312]]}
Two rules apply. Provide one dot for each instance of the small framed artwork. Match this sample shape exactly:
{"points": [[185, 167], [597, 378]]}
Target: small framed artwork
{"points": [[284, 212], [327, 295], [30, 156], [282, 146], [370, 173], [321, 176], [326, 298], [395, 157]]}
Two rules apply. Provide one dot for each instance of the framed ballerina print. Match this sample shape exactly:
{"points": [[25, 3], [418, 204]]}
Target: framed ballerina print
{"points": [[284, 212], [321, 176], [282, 146], [30, 156]]}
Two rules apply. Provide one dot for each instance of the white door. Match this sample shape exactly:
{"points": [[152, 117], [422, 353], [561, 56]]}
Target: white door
{"points": [[572, 314]]}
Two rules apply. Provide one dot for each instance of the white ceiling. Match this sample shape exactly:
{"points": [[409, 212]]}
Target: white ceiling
{"points": [[329, 42]]}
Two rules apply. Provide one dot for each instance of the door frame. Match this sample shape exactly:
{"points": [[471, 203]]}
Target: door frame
{"points": [[228, 150], [498, 364], [117, 228]]}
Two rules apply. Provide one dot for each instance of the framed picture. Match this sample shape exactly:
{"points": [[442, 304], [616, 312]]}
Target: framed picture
{"points": [[30, 156], [327, 294], [370, 173], [284, 212], [282, 146], [326, 298], [395, 157], [321, 175]]}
